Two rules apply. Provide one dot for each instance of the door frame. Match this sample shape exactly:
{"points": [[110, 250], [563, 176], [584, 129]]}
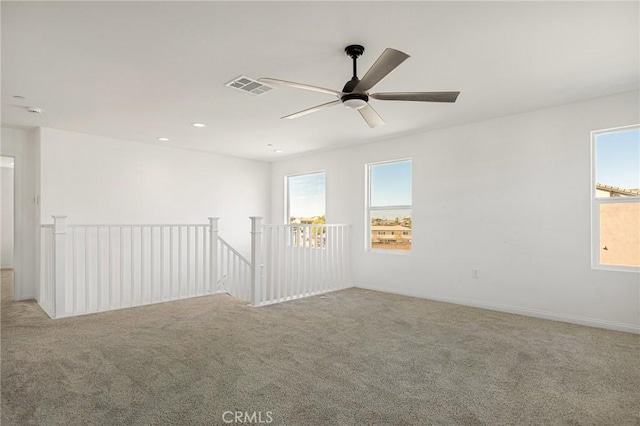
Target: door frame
{"points": [[17, 222]]}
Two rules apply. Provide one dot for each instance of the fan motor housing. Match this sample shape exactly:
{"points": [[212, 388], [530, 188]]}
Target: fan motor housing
{"points": [[355, 100], [351, 84]]}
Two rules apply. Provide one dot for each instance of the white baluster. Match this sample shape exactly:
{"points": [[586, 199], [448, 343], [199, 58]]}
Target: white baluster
{"points": [[304, 263], [99, 268], [256, 259], [141, 265], [131, 270], [59, 266], [86, 270], [170, 262], [267, 261], [196, 259], [75, 266], [162, 263], [332, 263], [273, 263], [152, 283], [204, 259], [179, 262], [121, 270], [281, 238], [188, 259], [109, 275]]}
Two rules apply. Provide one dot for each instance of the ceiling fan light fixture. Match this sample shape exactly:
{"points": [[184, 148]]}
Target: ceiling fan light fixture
{"points": [[355, 103], [355, 100]]}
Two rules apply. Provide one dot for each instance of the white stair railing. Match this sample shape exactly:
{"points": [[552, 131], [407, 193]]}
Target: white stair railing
{"points": [[93, 268], [295, 261], [235, 272]]}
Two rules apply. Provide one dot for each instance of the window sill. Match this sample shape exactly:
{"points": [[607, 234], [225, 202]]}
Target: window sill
{"points": [[616, 268], [389, 251]]}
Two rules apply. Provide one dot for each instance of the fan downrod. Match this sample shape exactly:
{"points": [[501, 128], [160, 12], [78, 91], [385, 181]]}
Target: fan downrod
{"points": [[354, 51]]}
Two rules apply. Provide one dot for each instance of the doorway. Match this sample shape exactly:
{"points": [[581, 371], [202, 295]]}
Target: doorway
{"points": [[7, 225]]}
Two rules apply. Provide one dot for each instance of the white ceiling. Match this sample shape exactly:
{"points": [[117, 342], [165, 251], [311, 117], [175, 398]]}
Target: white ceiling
{"points": [[143, 70]]}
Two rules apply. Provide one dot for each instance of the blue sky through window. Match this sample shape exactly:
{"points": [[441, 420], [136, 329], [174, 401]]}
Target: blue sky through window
{"points": [[391, 184], [618, 158], [307, 195]]}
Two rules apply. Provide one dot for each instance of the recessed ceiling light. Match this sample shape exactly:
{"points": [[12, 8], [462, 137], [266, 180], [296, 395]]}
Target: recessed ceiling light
{"points": [[198, 125], [19, 97], [269, 144], [278, 151], [163, 139]]}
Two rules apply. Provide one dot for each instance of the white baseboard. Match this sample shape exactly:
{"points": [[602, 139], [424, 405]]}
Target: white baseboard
{"points": [[573, 319]]}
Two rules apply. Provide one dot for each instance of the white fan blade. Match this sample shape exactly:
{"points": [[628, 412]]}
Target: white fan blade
{"points": [[285, 83], [311, 110], [371, 116]]}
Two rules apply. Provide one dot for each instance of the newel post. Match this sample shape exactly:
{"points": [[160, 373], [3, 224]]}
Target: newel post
{"points": [[60, 263], [213, 254], [256, 259]]}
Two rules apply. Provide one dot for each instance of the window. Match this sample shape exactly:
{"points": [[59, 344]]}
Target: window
{"points": [[306, 198], [616, 198], [389, 208], [305, 205]]}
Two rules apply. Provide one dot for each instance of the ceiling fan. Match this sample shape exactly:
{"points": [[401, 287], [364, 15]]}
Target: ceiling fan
{"points": [[355, 94]]}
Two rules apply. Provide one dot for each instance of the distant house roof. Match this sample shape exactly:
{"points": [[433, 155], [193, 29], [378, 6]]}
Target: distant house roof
{"points": [[304, 220], [390, 228], [618, 191]]}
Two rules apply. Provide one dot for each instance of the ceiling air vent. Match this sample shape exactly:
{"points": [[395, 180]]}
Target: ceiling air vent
{"points": [[249, 85]]}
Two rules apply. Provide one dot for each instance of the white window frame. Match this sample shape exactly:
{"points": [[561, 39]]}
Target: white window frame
{"points": [[287, 206], [597, 202], [369, 208]]}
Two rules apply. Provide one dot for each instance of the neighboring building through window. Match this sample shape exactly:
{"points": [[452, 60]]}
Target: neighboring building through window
{"points": [[389, 207], [616, 198]]}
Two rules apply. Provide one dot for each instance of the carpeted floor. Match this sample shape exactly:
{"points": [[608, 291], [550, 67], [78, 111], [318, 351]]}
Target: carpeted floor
{"points": [[353, 357]]}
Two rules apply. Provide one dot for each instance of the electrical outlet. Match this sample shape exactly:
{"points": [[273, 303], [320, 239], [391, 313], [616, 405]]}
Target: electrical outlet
{"points": [[474, 273]]}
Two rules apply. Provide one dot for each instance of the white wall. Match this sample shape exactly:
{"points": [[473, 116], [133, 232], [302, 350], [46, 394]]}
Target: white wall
{"points": [[6, 223], [98, 180], [23, 146], [510, 197]]}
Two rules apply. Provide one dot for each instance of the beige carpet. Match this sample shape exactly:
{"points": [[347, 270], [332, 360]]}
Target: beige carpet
{"points": [[353, 357]]}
